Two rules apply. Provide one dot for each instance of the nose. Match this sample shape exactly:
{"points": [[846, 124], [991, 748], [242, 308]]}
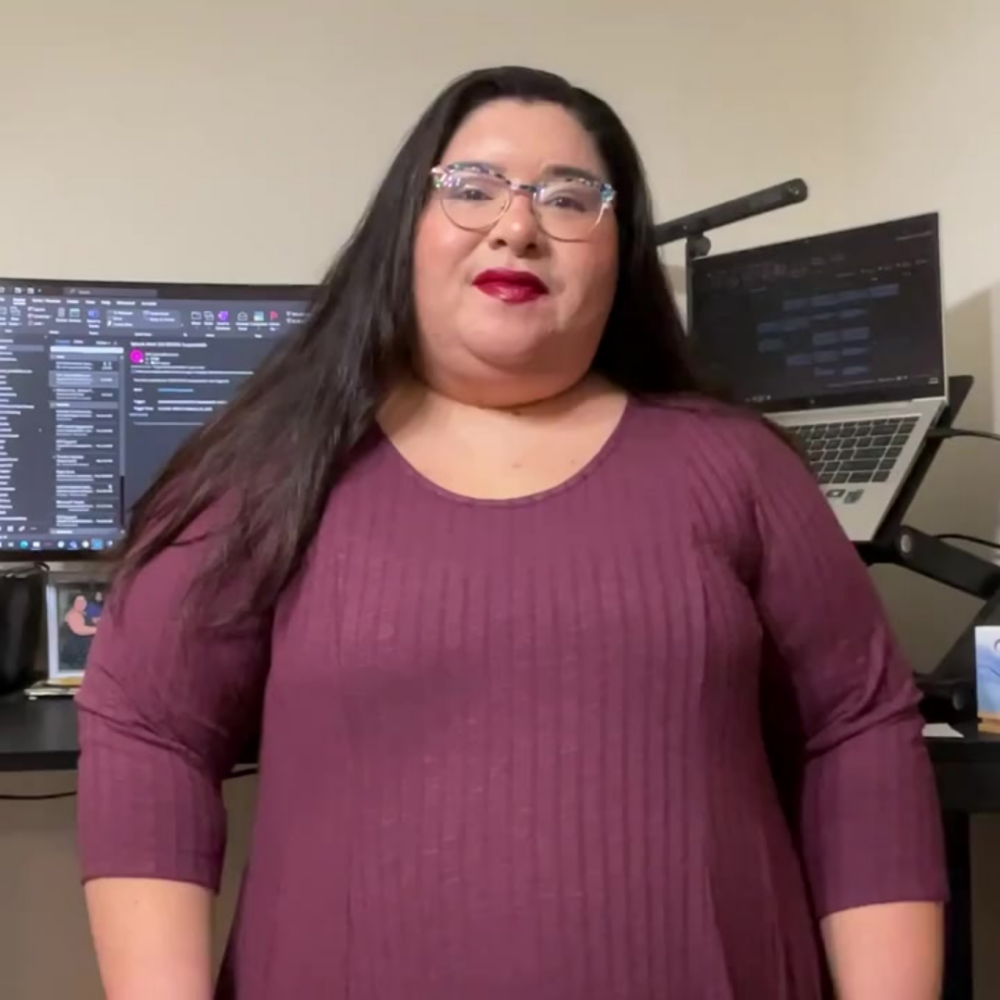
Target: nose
{"points": [[517, 228]]}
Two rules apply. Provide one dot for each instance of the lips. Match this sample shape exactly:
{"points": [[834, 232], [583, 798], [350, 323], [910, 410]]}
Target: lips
{"points": [[511, 286]]}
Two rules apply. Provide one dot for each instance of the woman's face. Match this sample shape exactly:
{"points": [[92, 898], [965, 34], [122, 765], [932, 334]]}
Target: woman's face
{"points": [[79, 603], [478, 344]]}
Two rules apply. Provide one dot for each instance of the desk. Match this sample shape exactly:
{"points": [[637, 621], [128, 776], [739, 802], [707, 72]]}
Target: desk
{"points": [[41, 736], [37, 735], [968, 781]]}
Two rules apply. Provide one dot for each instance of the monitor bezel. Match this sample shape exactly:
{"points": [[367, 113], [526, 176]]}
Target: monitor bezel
{"points": [[867, 395]]}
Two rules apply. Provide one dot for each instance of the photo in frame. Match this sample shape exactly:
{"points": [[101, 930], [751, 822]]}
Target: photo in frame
{"points": [[73, 606]]}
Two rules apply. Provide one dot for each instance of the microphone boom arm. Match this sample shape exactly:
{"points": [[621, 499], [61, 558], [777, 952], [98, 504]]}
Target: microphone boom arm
{"points": [[759, 203], [692, 228]]}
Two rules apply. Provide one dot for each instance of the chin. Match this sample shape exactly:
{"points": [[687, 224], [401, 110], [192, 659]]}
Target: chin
{"points": [[510, 342], [517, 365]]}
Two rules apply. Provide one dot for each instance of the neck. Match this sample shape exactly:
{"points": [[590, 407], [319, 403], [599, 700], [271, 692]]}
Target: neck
{"points": [[416, 401]]}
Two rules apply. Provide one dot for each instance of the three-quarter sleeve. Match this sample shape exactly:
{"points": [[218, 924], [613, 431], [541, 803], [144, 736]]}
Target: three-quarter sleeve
{"points": [[167, 704], [843, 699]]}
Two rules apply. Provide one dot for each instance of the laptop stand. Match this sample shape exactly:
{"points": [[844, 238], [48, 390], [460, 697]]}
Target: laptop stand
{"points": [[949, 690]]}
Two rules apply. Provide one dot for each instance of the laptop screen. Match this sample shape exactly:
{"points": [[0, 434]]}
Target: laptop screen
{"points": [[853, 316]]}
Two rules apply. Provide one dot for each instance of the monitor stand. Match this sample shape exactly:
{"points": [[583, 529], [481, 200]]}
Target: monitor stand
{"points": [[950, 688]]}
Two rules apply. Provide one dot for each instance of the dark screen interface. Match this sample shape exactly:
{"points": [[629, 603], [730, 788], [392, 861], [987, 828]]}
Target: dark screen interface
{"points": [[100, 384], [825, 316]]}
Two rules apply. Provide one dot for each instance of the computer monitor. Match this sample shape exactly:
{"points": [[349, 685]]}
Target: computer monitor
{"points": [[100, 382], [827, 320]]}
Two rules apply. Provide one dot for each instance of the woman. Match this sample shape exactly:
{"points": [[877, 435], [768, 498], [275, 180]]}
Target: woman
{"points": [[569, 684], [77, 635]]}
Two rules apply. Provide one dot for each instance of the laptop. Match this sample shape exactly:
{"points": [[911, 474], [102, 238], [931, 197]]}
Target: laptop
{"points": [[838, 338]]}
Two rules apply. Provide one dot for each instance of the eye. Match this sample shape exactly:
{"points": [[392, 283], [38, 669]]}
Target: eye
{"points": [[570, 197], [470, 192], [566, 201], [462, 186]]}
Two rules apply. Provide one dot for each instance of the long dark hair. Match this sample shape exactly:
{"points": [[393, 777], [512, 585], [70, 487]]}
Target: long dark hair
{"points": [[277, 450]]}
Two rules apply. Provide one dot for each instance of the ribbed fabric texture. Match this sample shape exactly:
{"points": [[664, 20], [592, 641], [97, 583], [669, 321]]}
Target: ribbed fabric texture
{"points": [[631, 738]]}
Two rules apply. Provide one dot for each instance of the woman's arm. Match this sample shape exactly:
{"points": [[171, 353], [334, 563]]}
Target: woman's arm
{"points": [[77, 624], [166, 705], [152, 938], [888, 951], [845, 732]]}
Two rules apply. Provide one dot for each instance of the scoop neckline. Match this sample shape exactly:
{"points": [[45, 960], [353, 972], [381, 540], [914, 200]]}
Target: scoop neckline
{"points": [[582, 474]]}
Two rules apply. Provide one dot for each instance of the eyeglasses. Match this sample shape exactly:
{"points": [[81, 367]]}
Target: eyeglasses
{"points": [[567, 208]]}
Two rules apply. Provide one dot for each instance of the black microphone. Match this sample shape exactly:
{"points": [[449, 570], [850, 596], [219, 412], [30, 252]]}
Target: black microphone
{"points": [[759, 203]]}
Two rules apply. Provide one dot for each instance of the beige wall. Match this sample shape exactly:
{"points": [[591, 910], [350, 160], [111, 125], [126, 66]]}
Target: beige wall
{"points": [[237, 141], [925, 106]]}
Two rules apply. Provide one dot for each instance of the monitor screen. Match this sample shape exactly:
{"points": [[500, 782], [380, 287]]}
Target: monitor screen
{"points": [[824, 320], [100, 383]]}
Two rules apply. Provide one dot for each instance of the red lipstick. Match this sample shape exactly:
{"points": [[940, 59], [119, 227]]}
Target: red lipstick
{"points": [[514, 287]]}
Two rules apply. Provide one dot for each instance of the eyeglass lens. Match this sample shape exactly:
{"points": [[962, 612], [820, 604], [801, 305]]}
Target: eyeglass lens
{"points": [[566, 209]]}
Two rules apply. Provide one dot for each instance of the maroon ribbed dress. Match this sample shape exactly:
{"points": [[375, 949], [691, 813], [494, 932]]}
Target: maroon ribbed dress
{"points": [[628, 739]]}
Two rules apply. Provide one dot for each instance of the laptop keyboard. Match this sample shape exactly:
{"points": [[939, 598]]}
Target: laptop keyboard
{"points": [[855, 451]]}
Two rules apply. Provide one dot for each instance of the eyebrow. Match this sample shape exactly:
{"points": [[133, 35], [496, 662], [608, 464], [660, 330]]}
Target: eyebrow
{"points": [[480, 165], [562, 171]]}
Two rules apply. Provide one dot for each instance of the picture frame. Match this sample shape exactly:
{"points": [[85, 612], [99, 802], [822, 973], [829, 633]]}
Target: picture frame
{"points": [[987, 644], [73, 606]]}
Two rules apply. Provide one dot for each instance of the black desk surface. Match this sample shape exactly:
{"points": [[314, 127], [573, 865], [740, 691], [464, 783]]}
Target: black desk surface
{"points": [[41, 736], [37, 735], [968, 770]]}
